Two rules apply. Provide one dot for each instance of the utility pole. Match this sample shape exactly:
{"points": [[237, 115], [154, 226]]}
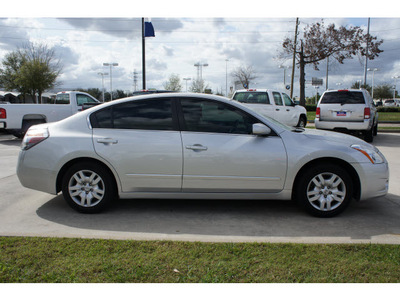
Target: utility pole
{"points": [[327, 70], [143, 56], [135, 80], [366, 57], [294, 57]]}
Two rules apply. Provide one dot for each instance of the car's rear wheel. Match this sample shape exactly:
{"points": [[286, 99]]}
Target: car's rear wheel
{"points": [[324, 190], [369, 135], [88, 187]]}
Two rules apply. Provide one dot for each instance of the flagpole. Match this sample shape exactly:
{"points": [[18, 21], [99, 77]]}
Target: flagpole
{"points": [[143, 57]]}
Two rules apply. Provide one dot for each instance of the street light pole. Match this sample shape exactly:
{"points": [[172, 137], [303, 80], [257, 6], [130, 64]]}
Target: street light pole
{"points": [[111, 65], [186, 79], [284, 73], [373, 75], [226, 78], [102, 82], [394, 87]]}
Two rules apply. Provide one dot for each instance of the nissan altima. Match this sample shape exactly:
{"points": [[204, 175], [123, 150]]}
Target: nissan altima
{"points": [[195, 146]]}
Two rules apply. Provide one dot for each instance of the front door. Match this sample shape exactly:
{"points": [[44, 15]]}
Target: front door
{"points": [[221, 154]]}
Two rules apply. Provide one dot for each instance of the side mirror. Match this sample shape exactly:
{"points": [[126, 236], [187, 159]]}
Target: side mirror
{"points": [[261, 129]]}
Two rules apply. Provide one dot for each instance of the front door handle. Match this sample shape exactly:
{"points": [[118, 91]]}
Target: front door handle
{"points": [[196, 147], [107, 141]]}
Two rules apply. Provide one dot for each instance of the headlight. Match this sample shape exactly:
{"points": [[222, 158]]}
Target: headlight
{"points": [[373, 155]]}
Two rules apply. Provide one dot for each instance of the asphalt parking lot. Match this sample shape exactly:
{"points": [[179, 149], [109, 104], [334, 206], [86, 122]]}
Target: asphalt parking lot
{"points": [[25, 212]]}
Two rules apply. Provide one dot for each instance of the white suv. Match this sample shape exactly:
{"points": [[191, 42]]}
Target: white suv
{"points": [[273, 104], [351, 111]]}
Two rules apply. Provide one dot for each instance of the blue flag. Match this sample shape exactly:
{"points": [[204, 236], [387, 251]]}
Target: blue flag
{"points": [[148, 30]]}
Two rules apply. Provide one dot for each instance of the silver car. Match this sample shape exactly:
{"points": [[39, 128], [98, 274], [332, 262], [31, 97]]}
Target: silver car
{"points": [[193, 146]]}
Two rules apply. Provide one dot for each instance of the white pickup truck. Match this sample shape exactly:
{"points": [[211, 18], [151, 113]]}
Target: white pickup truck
{"points": [[17, 118], [273, 104]]}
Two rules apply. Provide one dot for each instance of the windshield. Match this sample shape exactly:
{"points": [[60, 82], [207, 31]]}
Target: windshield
{"points": [[343, 97], [252, 97]]}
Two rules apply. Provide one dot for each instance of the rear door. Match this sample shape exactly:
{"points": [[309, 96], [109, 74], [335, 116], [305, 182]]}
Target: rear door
{"points": [[342, 106], [139, 139]]}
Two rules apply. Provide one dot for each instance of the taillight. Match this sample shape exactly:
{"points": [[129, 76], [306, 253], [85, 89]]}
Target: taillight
{"points": [[3, 113], [367, 113], [317, 113], [34, 136]]}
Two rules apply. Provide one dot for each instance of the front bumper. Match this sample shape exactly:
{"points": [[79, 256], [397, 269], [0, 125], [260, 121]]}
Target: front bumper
{"points": [[374, 179]]}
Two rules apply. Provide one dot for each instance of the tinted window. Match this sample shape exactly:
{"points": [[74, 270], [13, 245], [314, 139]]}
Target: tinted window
{"points": [[62, 99], [81, 99], [252, 97], [148, 114], [343, 97], [277, 98], [210, 116], [288, 101]]}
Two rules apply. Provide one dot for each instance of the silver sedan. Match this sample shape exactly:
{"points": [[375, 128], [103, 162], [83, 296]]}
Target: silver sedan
{"points": [[193, 146]]}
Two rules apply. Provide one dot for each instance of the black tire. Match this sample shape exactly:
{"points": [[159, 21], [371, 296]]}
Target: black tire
{"points": [[375, 133], [369, 135], [333, 194], [302, 122], [88, 187]]}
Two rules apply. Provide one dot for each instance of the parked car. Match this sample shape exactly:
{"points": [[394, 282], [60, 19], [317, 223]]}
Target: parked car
{"points": [[17, 118], [350, 111], [195, 146], [273, 104], [389, 102]]}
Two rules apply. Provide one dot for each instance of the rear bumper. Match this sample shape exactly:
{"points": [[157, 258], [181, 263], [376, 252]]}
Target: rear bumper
{"points": [[3, 125], [35, 177], [350, 126]]}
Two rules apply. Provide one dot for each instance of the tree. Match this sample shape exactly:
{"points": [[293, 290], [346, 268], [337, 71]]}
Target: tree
{"points": [[320, 42], [173, 83], [244, 75], [358, 85], [32, 70], [9, 73], [384, 91], [198, 86]]}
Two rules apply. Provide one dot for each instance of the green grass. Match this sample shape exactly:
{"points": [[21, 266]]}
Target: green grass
{"points": [[30, 259], [383, 116]]}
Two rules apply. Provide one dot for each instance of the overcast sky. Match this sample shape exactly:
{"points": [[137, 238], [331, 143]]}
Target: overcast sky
{"points": [[85, 40]]}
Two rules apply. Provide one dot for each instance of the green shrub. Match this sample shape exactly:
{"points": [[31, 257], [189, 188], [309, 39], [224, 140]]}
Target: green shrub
{"points": [[388, 109]]}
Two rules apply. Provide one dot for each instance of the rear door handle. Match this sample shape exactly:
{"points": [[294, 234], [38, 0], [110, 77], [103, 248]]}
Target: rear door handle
{"points": [[196, 147], [107, 141]]}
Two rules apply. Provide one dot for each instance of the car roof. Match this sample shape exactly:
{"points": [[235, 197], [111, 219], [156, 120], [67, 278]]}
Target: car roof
{"points": [[166, 95], [255, 90]]}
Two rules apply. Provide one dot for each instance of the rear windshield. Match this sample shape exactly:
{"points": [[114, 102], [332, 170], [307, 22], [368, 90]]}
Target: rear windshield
{"points": [[343, 97], [252, 97]]}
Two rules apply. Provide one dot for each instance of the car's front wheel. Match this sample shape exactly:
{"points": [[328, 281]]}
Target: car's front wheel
{"points": [[302, 122], [324, 190], [88, 187]]}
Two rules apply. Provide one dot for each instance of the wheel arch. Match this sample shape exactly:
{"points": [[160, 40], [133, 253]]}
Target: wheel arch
{"points": [[335, 161], [70, 163]]}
